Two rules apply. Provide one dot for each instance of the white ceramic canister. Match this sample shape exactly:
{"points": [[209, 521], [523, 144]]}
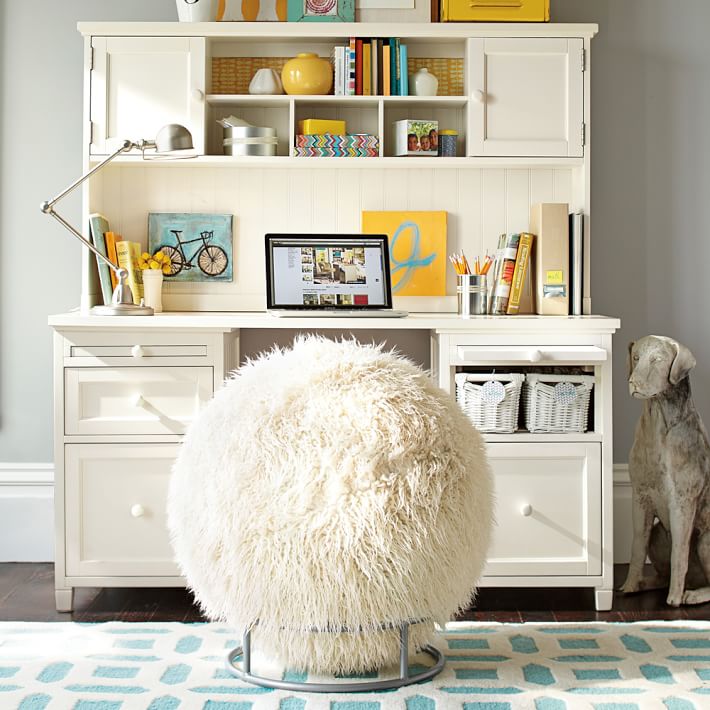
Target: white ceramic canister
{"points": [[153, 289], [423, 83], [266, 81], [197, 10]]}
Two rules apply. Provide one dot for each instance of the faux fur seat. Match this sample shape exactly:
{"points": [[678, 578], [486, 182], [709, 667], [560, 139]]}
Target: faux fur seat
{"points": [[332, 485]]}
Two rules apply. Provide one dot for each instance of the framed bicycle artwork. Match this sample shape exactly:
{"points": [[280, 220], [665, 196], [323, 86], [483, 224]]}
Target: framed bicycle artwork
{"points": [[199, 245]]}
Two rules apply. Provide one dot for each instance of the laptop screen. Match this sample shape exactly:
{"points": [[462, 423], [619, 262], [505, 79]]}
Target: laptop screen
{"points": [[326, 272]]}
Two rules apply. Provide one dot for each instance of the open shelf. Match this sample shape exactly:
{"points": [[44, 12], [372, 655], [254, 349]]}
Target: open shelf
{"points": [[285, 100]]}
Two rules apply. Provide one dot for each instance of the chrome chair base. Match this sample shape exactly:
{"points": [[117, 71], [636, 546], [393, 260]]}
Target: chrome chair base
{"points": [[244, 672]]}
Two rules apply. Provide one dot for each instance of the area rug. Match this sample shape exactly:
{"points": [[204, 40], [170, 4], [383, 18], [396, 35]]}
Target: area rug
{"points": [[170, 666]]}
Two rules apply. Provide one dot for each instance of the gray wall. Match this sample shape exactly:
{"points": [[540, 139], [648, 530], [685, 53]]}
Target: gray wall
{"points": [[651, 90]]}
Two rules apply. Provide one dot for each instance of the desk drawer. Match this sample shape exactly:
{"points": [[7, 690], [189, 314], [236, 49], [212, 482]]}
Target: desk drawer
{"points": [[527, 354], [548, 509], [495, 10], [103, 401], [115, 500]]}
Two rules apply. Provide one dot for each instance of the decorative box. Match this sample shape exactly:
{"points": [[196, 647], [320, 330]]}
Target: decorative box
{"points": [[495, 11], [321, 127], [361, 145], [416, 137]]}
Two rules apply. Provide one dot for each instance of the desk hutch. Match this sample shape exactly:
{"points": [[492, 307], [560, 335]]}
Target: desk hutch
{"points": [[126, 388]]}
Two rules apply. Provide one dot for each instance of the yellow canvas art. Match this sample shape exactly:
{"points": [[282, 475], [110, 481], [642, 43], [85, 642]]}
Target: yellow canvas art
{"points": [[417, 243]]}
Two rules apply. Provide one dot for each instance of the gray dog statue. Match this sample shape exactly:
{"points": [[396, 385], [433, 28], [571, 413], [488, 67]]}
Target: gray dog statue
{"points": [[669, 467]]}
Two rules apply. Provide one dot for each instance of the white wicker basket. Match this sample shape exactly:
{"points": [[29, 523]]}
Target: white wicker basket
{"points": [[491, 401], [556, 403]]}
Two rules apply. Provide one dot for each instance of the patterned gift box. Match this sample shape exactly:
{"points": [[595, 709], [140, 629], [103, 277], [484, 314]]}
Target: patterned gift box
{"points": [[350, 146]]}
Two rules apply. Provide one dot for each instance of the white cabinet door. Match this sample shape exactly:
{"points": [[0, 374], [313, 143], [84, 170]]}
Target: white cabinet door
{"points": [[548, 509], [527, 97], [140, 84], [115, 498]]}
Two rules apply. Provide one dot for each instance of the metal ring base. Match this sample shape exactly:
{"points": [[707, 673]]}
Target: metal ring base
{"points": [[403, 680]]}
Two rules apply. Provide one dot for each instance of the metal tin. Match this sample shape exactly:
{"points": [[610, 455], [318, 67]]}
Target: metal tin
{"points": [[447, 143], [472, 292], [249, 140]]}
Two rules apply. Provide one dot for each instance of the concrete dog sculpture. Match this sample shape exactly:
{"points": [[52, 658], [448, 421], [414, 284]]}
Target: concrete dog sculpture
{"points": [[669, 467]]}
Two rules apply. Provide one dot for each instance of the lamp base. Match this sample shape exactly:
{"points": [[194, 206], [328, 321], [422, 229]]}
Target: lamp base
{"points": [[122, 309]]}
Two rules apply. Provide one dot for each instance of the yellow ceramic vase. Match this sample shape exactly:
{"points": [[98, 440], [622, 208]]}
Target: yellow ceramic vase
{"points": [[307, 74]]}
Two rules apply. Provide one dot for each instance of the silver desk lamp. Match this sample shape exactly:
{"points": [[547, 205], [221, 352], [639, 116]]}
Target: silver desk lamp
{"points": [[170, 140]]}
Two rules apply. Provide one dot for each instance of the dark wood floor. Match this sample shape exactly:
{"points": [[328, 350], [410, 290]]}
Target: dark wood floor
{"points": [[27, 594]]}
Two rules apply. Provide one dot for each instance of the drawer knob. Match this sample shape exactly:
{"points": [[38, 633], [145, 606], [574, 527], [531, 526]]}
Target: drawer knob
{"points": [[526, 510], [137, 351], [534, 356], [198, 94], [137, 510], [479, 96], [138, 401]]}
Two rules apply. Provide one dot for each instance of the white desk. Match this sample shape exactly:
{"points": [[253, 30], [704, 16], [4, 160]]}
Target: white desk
{"points": [[126, 388]]}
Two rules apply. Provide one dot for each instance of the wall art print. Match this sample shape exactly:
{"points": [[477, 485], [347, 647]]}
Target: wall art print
{"points": [[417, 246], [253, 10], [199, 245], [321, 10]]}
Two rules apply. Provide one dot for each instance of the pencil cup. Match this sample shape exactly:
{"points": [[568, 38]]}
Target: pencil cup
{"points": [[472, 292]]}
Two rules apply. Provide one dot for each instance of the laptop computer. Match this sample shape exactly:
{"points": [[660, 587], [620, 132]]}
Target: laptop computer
{"points": [[329, 275]]}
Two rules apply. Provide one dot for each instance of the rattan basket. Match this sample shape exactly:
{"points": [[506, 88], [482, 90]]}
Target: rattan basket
{"points": [[490, 400], [556, 403]]}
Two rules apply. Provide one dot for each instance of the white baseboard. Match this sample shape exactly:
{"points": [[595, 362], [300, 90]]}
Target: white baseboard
{"points": [[27, 513]]}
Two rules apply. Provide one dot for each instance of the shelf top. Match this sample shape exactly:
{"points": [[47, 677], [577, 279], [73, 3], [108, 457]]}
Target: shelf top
{"points": [[440, 322], [259, 31]]}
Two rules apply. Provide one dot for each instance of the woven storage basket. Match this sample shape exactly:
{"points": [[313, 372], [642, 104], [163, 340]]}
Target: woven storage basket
{"points": [[491, 401], [556, 403]]}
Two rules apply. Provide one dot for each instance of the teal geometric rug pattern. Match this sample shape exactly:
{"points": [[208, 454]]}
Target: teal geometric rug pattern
{"points": [[173, 666]]}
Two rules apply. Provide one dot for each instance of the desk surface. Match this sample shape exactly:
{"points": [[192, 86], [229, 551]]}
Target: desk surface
{"points": [[440, 322]]}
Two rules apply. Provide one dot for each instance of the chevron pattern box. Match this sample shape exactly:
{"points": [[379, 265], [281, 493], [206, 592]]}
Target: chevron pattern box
{"points": [[361, 145]]}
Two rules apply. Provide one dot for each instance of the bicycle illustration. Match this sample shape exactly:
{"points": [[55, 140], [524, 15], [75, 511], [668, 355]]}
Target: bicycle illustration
{"points": [[211, 259]]}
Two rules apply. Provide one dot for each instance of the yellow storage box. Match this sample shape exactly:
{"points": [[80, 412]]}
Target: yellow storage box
{"points": [[495, 10], [321, 127]]}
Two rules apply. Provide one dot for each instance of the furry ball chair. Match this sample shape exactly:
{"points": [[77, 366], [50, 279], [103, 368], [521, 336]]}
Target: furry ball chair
{"points": [[331, 486]]}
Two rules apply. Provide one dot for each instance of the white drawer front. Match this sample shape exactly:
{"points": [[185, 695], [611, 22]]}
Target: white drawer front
{"points": [[548, 509], [115, 510], [134, 400], [527, 354]]}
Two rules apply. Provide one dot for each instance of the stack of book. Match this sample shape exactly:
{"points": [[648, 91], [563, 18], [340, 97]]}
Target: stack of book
{"points": [[371, 67], [511, 266]]}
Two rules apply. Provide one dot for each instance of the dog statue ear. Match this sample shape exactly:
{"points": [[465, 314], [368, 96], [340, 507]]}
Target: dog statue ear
{"points": [[629, 363], [683, 363]]}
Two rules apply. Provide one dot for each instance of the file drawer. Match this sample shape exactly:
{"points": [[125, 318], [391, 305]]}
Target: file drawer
{"points": [[548, 510], [115, 497], [495, 10], [104, 401]]}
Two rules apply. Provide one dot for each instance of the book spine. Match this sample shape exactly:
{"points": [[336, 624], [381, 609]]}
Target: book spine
{"points": [[351, 68], [521, 269], [404, 63], [128, 254], [505, 277], [374, 61], [398, 66], [111, 254], [393, 67], [358, 67], [386, 70], [98, 226], [380, 66], [366, 70]]}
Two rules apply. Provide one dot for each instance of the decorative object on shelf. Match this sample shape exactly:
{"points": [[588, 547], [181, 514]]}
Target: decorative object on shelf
{"points": [[321, 10], [423, 83], [232, 75], [321, 127], [172, 140], [447, 143], [255, 11], [241, 138], [448, 70], [307, 73], [197, 10], [153, 289], [416, 137], [266, 81], [472, 295], [330, 146], [199, 245], [417, 249], [495, 10]]}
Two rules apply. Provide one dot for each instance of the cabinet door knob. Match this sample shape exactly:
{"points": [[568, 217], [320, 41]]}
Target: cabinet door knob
{"points": [[137, 351], [534, 356], [137, 400], [198, 94], [479, 95], [137, 510], [526, 510]]}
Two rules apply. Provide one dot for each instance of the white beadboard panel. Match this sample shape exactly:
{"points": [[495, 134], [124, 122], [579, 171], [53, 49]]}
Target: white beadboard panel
{"points": [[481, 204]]}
